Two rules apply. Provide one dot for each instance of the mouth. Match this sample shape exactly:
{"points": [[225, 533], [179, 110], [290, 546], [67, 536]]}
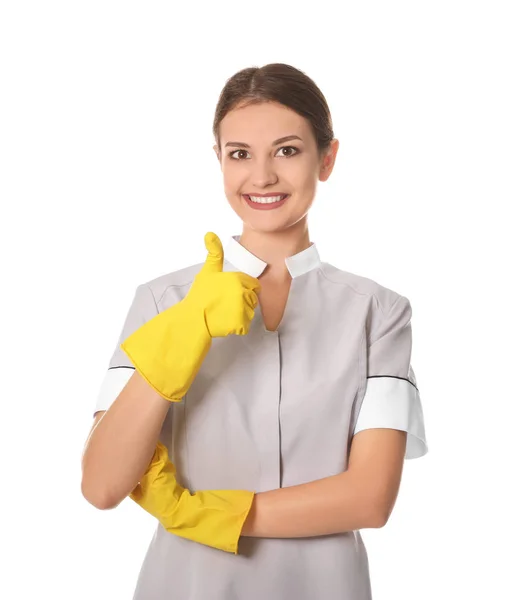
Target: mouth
{"points": [[265, 202]]}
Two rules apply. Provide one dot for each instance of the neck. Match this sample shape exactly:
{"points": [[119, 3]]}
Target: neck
{"points": [[274, 247]]}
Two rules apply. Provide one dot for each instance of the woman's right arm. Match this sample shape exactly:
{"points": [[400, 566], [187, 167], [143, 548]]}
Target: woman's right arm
{"points": [[168, 347], [121, 443]]}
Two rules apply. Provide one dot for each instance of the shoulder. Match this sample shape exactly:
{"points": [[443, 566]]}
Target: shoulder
{"points": [[379, 296], [159, 286]]}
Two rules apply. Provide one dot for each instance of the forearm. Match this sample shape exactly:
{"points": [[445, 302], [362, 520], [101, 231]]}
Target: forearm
{"points": [[331, 505], [122, 444]]}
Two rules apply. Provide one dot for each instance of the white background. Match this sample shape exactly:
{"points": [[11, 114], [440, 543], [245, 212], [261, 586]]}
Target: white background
{"points": [[108, 179]]}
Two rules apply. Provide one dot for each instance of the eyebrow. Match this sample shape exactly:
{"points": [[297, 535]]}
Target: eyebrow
{"points": [[279, 141]]}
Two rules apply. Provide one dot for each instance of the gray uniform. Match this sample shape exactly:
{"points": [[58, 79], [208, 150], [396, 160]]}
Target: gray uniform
{"points": [[277, 409]]}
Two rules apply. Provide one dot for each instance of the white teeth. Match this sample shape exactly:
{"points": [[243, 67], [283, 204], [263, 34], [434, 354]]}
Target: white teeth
{"points": [[266, 200]]}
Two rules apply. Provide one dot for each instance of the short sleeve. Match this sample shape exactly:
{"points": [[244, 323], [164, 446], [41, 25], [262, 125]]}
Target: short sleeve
{"points": [[392, 398], [142, 309]]}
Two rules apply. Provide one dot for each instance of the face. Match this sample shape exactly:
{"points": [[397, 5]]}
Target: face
{"points": [[252, 164]]}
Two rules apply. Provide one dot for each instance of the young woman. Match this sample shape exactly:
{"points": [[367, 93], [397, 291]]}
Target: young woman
{"points": [[260, 404]]}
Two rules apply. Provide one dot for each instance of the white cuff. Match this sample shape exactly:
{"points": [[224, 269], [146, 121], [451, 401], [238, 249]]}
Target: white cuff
{"points": [[394, 403]]}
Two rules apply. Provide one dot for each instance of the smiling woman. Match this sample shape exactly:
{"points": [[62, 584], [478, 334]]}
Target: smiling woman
{"points": [[255, 106], [260, 404]]}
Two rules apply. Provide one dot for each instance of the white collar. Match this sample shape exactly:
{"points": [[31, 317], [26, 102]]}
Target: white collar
{"points": [[245, 261]]}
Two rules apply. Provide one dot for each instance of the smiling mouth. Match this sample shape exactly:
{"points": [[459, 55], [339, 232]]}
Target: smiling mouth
{"points": [[267, 203], [265, 199]]}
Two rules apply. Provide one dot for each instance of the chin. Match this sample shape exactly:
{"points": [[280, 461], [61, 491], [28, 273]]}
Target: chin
{"points": [[277, 225]]}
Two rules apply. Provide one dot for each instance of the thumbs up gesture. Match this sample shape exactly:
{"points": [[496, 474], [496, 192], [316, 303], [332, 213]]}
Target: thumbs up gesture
{"points": [[227, 299], [168, 350]]}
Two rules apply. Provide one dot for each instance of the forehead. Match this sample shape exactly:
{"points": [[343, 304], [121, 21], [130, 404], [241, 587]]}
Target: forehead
{"points": [[260, 123]]}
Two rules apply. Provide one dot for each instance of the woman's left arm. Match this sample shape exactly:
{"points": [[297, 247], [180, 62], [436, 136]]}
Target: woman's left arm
{"points": [[361, 497]]}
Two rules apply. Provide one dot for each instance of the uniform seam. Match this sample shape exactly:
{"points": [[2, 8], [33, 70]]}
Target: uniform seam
{"points": [[360, 380], [395, 377], [171, 285], [153, 297], [385, 316], [343, 283], [348, 285]]}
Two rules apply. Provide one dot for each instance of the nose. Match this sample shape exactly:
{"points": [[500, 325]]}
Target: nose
{"points": [[263, 173]]}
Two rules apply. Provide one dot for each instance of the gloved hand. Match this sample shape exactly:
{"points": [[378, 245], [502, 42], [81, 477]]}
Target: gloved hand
{"points": [[214, 518], [169, 349]]}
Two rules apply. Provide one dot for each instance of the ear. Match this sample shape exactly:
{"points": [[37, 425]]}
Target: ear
{"points": [[328, 160], [217, 152]]}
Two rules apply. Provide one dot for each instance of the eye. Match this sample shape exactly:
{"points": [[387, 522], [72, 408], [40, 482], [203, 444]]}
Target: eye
{"points": [[290, 148], [296, 151], [234, 152]]}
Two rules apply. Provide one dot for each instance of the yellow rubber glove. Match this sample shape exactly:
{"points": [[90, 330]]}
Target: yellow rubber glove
{"points": [[169, 349], [214, 518]]}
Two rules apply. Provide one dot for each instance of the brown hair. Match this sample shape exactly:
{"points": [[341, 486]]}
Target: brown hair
{"points": [[277, 82]]}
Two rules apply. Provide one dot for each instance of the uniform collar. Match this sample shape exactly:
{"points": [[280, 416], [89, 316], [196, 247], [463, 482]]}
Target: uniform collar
{"points": [[245, 261]]}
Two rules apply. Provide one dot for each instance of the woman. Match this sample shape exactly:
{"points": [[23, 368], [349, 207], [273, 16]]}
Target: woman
{"points": [[276, 389]]}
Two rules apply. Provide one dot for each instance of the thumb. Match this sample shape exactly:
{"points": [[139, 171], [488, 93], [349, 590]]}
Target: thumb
{"points": [[215, 260]]}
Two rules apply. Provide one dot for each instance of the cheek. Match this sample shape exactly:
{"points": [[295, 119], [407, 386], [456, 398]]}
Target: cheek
{"points": [[304, 183], [232, 180], [300, 173]]}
